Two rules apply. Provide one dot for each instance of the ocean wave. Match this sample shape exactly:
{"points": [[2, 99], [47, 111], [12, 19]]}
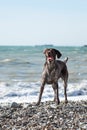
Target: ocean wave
{"points": [[28, 92], [16, 61], [76, 89], [6, 60]]}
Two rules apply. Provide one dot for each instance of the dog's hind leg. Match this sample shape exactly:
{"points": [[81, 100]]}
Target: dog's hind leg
{"points": [[65, 86], [64, 77], [65, 93]]}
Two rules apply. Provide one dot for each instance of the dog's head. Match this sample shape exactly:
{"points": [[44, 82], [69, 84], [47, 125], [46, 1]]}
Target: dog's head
{"points": [[51, 54]]}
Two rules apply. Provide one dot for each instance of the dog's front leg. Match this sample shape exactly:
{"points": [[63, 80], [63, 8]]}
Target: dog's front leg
{"points": [[56, 92], [40, 94]]}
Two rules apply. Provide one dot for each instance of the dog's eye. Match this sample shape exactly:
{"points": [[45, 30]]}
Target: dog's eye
{"points": [[53, 52]]}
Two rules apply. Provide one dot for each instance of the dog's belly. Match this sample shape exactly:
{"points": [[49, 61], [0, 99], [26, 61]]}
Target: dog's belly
{"points": [[49, 80]]}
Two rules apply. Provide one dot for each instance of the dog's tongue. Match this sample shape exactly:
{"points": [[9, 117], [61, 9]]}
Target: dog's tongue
{"points": [[50, 58]]}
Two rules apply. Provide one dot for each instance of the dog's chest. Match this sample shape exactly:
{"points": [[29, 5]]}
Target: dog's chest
{"points": [[51, 75]]}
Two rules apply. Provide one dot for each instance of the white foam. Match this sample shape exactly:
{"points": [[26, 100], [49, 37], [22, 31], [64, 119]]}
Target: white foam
{"points": [[28, 92], [6, 60]]}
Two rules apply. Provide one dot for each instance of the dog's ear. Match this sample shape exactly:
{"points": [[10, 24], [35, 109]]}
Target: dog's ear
{"points": [[57, 53]]}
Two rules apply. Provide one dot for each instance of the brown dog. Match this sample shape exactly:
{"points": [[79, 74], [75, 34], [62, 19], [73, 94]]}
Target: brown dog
{"points": [[53, 70]]}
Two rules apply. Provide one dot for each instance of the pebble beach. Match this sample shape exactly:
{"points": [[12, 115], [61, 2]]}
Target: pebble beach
{"points": [[21, 69], [46, 116]]}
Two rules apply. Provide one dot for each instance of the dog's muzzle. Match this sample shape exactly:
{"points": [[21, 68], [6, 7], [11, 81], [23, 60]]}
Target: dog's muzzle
{"points": [[50, 59]]}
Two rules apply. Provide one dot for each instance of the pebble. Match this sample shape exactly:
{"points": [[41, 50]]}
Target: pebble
{"points": [[46, 116]]}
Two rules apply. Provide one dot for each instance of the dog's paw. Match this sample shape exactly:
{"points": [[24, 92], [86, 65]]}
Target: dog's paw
{"points": [[38, 103], [66, 101]]}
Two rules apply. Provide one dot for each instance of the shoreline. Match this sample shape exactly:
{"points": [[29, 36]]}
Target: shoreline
{"points": [[46, 116], [31, 100]]}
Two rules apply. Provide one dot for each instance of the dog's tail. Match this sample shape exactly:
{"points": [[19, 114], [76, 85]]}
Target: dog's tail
{"points": [[66, 59]]}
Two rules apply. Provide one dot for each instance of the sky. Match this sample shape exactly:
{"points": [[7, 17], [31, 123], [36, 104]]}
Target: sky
{"points": [[38, 22]]}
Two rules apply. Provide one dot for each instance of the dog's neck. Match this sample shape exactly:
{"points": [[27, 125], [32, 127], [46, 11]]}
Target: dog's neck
{"points": [[51, 65]]}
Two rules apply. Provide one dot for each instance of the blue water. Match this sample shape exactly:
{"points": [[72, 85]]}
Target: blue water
{"points": [[21, 68]]}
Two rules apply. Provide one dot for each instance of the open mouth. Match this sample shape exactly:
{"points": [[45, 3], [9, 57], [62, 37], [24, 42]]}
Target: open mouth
{"points": [[50, 58]]}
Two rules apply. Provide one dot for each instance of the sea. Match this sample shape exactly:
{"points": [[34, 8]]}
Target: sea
{"points": [[21, 69]]}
